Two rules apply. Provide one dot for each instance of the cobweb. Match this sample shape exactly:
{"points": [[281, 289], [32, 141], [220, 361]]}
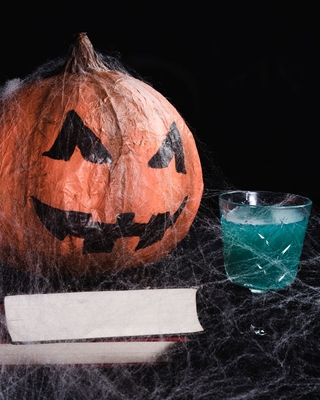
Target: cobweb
{"points": [[226, 360]]}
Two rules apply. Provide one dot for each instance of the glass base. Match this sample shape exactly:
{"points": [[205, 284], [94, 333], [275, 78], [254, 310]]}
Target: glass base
{"points": [[258, 330], [258, 291]]}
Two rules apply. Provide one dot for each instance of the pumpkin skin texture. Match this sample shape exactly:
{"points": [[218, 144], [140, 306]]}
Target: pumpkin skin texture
{"points": [[98, 171]]}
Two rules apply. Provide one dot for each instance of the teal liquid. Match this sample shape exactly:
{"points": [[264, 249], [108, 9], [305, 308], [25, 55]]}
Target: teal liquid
{"points": [[262, 257]]}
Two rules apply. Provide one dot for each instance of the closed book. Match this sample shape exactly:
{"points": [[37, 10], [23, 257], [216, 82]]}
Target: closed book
{"points": [[116, 327]]}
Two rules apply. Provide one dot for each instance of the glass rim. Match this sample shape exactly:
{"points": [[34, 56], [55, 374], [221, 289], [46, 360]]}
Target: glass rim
{"points": [[307, 201]]}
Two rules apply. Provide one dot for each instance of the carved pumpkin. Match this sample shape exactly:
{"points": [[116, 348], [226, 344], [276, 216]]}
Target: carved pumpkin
{"points": [[98, 171]]}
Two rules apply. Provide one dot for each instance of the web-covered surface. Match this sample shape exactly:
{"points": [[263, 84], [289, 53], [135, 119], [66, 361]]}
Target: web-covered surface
{"points": [[226, 361]]}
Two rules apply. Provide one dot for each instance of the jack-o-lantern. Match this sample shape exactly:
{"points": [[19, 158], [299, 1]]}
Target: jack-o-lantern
{"points": [[98, 171]]}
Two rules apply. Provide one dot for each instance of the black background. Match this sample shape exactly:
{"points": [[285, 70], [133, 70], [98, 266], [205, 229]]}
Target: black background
{"points": [[244, 75]]}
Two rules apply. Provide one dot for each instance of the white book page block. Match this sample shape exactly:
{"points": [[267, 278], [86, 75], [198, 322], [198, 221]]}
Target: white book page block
{"points": [[84, 353], [90, 315]]}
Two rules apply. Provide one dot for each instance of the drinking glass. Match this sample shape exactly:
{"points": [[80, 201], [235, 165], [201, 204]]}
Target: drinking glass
{"points": [[263, 234]]}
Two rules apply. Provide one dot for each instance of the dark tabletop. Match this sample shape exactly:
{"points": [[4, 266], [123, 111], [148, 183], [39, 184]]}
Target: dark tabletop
{"points": [[225, 361]]}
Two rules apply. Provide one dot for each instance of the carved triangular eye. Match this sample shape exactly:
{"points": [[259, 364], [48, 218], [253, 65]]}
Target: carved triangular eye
{"points": [[74, 133], [171, 146]]}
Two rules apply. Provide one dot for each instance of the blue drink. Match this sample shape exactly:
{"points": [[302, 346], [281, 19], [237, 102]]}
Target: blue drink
{"points": [[262, 245]]}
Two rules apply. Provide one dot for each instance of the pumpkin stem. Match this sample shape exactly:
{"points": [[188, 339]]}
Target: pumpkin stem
{"points": [[83, 58]]}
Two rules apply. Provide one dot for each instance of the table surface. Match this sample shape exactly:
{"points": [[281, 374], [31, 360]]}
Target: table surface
{"points": [[226, 361]]}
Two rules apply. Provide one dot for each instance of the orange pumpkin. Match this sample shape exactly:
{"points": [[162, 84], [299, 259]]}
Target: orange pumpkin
{"points": [[98, 171]]}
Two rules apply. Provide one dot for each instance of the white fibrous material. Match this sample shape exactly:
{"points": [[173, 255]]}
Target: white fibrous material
{"points": [[226, 361], [10, 87]]}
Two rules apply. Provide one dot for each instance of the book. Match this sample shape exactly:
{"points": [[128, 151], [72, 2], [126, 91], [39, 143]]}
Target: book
{"points": [[128, 352], [116, 327], [95, 315]]}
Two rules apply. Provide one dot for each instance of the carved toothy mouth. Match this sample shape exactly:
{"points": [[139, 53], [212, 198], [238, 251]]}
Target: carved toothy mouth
{"points": [[100, 237]]}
